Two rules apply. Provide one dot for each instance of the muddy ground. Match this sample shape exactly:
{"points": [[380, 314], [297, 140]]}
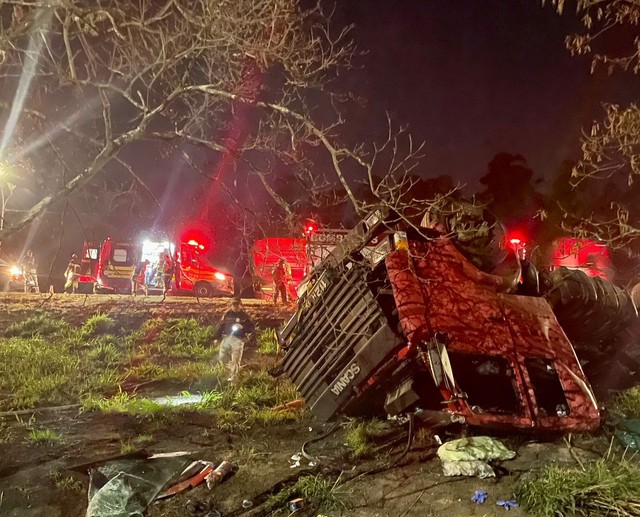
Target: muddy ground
{"points": [[35, 479]]}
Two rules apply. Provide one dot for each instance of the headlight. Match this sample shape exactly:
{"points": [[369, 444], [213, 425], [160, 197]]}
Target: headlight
{"points": [[400, 240], [15, 271], [220, 276]]}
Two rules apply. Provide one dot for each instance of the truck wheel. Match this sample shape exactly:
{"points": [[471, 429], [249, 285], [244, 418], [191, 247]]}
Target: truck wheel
{"points": [[203, 290]]}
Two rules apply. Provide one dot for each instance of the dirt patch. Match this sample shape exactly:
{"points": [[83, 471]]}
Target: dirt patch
{"points": [[129, 311], [35, 478]]}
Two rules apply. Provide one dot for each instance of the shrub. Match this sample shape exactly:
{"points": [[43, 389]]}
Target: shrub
{"points": [[604, 487]]}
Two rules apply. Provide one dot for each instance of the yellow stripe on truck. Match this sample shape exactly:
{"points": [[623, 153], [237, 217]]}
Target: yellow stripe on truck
{"points": [[120, 271]]}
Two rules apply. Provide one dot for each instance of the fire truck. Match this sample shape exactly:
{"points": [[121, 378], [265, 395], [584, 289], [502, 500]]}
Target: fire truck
{"points": [[195, 275], [586, 255], [266, 253], [88, 267], [301, 254], [109, 266], [322, 243]]}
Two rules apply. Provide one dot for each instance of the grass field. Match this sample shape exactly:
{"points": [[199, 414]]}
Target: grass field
{"points": [[46, 361], [122, 363]]}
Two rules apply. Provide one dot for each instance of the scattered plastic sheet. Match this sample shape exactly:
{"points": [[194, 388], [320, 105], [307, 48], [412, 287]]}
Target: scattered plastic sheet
{"points": [[474, 468], [628, 433], [125, 488], [470, 456], [179, 400]]}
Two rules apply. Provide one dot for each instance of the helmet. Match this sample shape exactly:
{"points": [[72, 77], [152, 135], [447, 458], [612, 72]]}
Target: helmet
{"points": [[74, 256]]}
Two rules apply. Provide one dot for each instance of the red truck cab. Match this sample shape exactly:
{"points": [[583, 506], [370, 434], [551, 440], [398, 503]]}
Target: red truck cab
{"points": [[410, 324]]}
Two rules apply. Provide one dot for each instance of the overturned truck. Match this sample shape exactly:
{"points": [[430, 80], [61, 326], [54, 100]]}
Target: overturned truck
{"points": [[397, 320]]}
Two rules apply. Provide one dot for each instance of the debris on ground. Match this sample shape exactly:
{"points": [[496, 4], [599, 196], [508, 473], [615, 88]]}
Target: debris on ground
{"points": [[295, 461], [483, 448], [293, 405], [217, 475], [296, 504], [470, 456], [191, 477], [467, 468], [126, 487], [479, 497], [628, 433], [507, 504], [180, 400]]}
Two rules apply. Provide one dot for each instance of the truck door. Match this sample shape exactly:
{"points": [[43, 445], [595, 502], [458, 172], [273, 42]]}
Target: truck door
{"points": [[187, 267], [89, 262]]}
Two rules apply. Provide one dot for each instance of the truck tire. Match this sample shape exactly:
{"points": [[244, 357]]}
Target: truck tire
{"points": [[203, 290]]}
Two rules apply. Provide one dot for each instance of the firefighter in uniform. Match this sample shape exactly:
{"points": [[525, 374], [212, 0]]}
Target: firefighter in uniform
{"points": [[139, 278], [167, 272], [30, 273], [234, 329], [281, 278], [72, 274]]}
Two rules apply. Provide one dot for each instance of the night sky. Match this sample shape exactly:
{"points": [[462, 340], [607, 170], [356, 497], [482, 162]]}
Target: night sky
{"points": [[470, 78], [473, 78]]}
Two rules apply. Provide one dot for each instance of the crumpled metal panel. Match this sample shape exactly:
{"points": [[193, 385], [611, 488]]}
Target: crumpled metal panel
{"points": [[439, 294], [339, 336]]}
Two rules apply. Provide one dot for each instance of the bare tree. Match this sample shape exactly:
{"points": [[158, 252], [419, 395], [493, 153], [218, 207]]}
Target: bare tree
{"points": [[611, 148], [90, 78]]}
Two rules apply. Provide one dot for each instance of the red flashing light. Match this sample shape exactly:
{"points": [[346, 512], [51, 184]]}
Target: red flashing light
{"points": [[309, 228], [197, 236], [195, 244], [515, 240]]}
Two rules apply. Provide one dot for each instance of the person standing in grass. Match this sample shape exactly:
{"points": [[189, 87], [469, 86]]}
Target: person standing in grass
{"points": [[72, 274], [234, 329], [281, 280], [167, 272], [138, 279], [30, 273]]}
